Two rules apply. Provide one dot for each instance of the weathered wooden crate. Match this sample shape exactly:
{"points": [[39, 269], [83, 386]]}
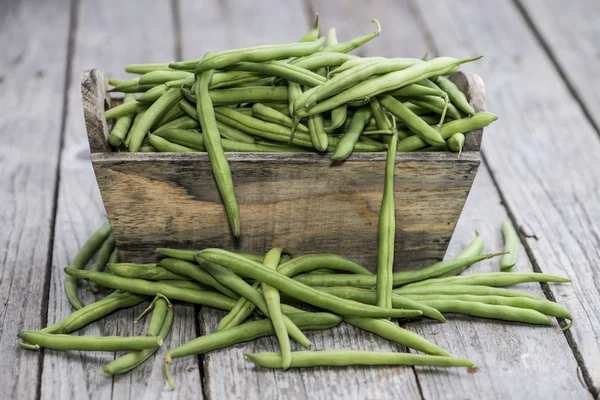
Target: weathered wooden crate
{"points": [[303, 202]]}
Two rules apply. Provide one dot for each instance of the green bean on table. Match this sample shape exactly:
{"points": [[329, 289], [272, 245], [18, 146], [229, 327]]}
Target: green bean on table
{"points": [[511, 246], [89, 343], [343, 358], [141, 286], [476, 290], [494, 279], [194, 271], [103, 256], [84, 255], [151, 272]]}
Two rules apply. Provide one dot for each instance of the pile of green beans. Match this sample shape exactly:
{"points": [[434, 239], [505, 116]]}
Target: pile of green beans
{"points": [[307, 96], [283, 291]]}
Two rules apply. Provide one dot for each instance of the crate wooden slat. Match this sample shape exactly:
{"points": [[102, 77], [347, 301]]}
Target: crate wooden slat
{"points": [[298, 200]]}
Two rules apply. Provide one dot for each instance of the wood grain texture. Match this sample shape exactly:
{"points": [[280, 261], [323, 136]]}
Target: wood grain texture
{"points": [[514, 360], [300, 201], [32, 79], [543, 155], [570, 35], [109, 36]]}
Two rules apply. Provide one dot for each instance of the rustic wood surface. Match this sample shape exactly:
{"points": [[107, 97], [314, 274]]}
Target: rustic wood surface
{"points": [[541, 170]]}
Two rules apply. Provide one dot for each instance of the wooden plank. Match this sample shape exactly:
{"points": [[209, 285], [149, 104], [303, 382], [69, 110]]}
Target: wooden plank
{"points": [[110, 35], [32, 81], [549, 185], [513, 359], [570, 36]]}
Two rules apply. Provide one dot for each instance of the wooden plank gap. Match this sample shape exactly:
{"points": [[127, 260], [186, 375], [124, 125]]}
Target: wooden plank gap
{"points": [[585, 374], [561, 72]]}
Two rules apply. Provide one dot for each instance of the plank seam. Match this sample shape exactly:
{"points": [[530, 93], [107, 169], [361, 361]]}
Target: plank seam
{"points": [[546, 48], [177, 33], [544, 286], [72, 32], [200, 357]]}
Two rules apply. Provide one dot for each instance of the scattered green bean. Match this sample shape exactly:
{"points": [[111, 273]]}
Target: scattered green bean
{"points": [[511, 246], [90, 343]]}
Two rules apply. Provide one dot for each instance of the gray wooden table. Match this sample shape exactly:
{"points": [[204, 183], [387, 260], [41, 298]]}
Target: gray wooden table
{"points": [[541, 170]]}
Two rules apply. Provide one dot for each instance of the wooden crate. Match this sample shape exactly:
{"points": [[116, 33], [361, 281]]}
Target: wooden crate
{"points": [[296, 200]]}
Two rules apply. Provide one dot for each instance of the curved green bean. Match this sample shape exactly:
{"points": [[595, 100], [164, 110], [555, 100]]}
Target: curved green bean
{"points": [[456, 143], [475, 290], [216, 154], [141, 286], [80, 260], [222, 59], [483, 310], [350, 138], [105, 252], [121, 110], [294, 288], [391, 331], [90, 343], [511, 246], [456, 96], [310, 262], [151, 272], [344, 358], [153, 94], [269, 114], [281, 69]]}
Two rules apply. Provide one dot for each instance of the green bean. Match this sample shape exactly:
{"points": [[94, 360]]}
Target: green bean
{"points": [[352, 76], [476, 121], [352, 44], [130, 361], [141, 286], [85, 254], [136, 120], [542, 305], [416, 90], [153, 94], [318, 136], [456, 96], [388, 82], [115, 81], [456, 143], [313, 34], [273, 301], [399, 278], [216, 154], [350, 138], [153, 113], [435, 104], [393, 332], [184, 122], [151, 272], [344, 358], [95, 311], [475, 290], [310, 262], [225, 130], [495, 279], [269, 114], [188, 255], [194, 271], [185, 284], [163, 76], [416, 124], [164, 145], [387, 231], [511, 246], [246, 332], [473, 249], [231, 78], [121, 110], [222, 59], [121, 127], [293, 288], [320, 60], [125, 84], [351, 63], [89, 343], [369, 296], [294, 92], [281, 69], [249, 94], [238, 314], [145, 68], [189, 94], [483, 310], [338, 117], [102, 257]]}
